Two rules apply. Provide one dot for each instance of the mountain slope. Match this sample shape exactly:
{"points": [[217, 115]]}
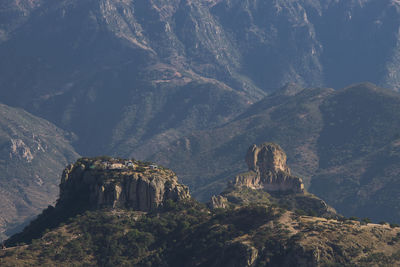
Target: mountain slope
{"points": [[343, 143], [197, 63], [92, 54], [147, 78], [182, 232], [358, 152], [32, 154]]}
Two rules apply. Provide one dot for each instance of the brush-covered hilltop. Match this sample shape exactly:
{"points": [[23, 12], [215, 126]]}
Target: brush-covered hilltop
{"points": [[114, 212]]}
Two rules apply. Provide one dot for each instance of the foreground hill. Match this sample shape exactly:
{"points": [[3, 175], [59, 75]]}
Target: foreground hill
{"points": [[32, 154], [343, 143], [178, 231], [190, 235]]}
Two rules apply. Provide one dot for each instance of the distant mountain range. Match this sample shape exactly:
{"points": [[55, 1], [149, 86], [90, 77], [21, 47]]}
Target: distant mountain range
{"points": [[140, 70], [193, 83]]}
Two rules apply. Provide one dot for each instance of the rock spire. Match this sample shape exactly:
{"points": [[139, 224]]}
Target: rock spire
{"points": [[268, 170]]}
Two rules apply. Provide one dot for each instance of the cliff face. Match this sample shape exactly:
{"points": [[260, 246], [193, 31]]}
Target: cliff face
{"points": [[118, 183], [269, 182], [268, 170]]}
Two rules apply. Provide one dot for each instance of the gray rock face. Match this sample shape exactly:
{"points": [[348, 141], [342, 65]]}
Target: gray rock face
{"points": [[234, 51], [268, 170], [139, 188]]}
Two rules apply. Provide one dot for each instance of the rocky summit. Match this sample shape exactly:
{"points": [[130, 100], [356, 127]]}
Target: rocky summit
{"points": [[268, 170], [103, 183], [119, 183], [270, 182]]}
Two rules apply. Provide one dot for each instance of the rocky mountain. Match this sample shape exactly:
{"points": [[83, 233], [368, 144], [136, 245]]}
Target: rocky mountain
{"points": [[268, 170], [270, 182], [14, 14], [183, 232], [186, 83], [32, 154], [103, 182], [344, 144], [164, 68], [87, 55], [118, 183]]}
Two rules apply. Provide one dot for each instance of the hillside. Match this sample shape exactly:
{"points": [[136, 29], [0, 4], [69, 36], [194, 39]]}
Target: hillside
{"points": [[343, 143], [164, 68], [192, 83], [188, 235], [182, 232], [32, 154]]}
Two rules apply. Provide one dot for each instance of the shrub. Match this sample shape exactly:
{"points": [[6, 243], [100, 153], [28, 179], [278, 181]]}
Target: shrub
{"points": [[394, 225], [366, 220], [354, 218]]}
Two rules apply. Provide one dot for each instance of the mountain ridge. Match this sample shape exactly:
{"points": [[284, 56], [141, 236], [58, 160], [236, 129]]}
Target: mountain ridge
{"points": [[183, 232], [316, 128]]}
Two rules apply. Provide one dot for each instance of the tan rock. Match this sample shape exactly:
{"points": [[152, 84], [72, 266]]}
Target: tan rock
{"points": [[268, 170], [219, 202], [119, 188]]}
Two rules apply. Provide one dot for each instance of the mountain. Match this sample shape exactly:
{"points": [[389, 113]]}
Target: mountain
{"points": [[179, 231], [14, 14], [32, 154], [269, 181], [104, 67], [192, 83], [344, 144], [138, 73]]}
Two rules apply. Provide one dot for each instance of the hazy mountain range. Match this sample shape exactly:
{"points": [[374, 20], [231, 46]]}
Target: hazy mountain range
{"points": [[193, 83]]}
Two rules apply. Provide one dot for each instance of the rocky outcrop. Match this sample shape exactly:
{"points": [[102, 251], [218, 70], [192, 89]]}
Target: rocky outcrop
{"points": [[269, 182], [219, 202], [268, 170], [136, 186]]}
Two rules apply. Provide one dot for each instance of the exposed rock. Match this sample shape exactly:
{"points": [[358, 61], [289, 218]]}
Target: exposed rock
{"points": [[218, 202], [238, 254], [269, 182], [94, 183], [20, 150], [268, 170]]}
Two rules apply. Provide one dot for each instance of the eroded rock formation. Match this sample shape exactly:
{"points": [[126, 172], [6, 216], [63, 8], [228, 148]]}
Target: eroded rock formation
{"points": [[268, 170], [219, 202], [96, 183]]}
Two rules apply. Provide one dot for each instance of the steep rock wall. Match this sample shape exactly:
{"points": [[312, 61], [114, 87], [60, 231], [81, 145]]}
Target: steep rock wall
{"points": [[139, 188], [268, 170]]}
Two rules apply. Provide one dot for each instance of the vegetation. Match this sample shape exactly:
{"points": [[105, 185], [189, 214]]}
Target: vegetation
{"points": [[344, 144], [33, 153], [187, 233]]}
